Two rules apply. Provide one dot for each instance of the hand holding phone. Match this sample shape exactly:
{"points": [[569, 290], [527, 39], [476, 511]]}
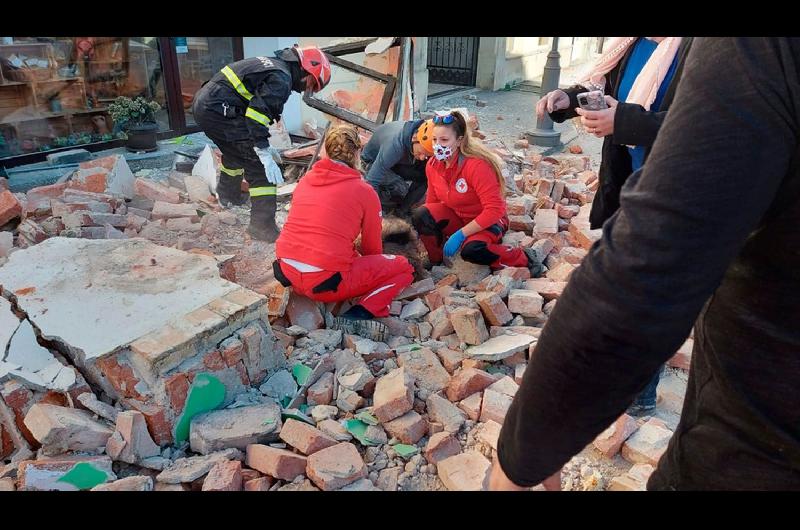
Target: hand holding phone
{"points": [[593, 100]]}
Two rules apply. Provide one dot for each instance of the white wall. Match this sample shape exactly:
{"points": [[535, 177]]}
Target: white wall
{"points": [[511, 60]]}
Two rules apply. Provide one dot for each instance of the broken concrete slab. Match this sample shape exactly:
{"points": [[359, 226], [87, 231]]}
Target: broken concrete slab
{"points": [[500, 347], [62, 429], [236, 428], [49, 475], [105, 276], [192, 468]]}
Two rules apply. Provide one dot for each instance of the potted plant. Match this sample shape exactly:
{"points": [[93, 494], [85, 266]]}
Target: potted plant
{"points": [[137, 118]]}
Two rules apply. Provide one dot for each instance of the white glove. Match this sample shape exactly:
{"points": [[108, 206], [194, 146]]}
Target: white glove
{"points": [[274, 175]]}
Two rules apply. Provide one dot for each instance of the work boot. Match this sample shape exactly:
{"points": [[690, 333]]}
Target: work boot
{"points": [[262, 218], [359, 321], [229, 191], [534, 265]]}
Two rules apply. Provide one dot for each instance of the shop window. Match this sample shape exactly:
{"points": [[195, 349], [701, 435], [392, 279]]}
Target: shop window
{"points": [[54, 91], [199, 58]]}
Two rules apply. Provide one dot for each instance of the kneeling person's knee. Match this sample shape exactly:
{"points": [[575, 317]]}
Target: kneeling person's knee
{"points": [[478, 252]]}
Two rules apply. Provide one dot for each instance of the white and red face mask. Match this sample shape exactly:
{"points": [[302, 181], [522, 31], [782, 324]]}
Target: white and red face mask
{"points": [[442, 152]]}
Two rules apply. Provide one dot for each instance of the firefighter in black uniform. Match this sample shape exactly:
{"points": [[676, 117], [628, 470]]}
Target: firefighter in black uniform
{"points": [[235, 109]]}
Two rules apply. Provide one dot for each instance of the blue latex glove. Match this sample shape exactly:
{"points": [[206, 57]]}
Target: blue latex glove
{"points": [[454, 243]]}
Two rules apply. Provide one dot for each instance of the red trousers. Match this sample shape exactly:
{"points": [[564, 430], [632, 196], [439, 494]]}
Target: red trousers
{"points": [[436, 222], [377, 279]]}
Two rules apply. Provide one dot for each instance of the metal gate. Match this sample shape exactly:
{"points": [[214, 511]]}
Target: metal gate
{"points": [[453, 60]]}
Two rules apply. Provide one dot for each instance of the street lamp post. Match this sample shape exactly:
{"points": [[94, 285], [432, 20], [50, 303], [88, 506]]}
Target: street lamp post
{"points": [[544, 134]]}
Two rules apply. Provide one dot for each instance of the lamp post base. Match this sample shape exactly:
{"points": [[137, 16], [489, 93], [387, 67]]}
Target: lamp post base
{"points": [[544, 137]]}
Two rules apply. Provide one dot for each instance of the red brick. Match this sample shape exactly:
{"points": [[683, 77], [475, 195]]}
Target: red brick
{"points": [[304, 312], [259, 484], [321, 392], [525, 303], [408, 428], [493, 308], [10, 207], [451, 359], [92, 180], [439, 319], [233, 352], [155, 191], [106, 162], [278, 298], [440, 446], [434, 300], [474, 363], [121, 377], [561, 273], [336, 467], [548, 289], [464, 472], [494, 406], [177, 388], [214, 361], [305, 438], [523, 223], [158, 422], [515, 273], [472, 405], [166, 210], [242, 371], [451, 280], [469, 326], [224, 476], [466, 382], [277, 463], [610, 441]]}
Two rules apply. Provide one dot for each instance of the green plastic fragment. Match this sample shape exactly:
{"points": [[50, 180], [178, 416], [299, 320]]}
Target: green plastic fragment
{"points": [[301, 373], [296, 414], [359, 431], [494, 370], [304, 408], [206, 393], [285, 401], [405, 451], [84, 476], [367, 418]]}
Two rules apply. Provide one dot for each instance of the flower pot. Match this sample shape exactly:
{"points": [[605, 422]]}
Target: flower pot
{"points": [[142, 137]]}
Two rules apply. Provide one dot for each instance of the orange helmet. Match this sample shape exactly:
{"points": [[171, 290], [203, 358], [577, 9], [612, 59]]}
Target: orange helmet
{"points": [[425, 136]]}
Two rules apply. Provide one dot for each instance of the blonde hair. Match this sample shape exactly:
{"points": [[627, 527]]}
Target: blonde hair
{"points": [[473, 147], [342, 143]]}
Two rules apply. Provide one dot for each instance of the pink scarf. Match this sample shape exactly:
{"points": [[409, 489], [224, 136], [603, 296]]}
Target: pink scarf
{"points": [[645, 87]]}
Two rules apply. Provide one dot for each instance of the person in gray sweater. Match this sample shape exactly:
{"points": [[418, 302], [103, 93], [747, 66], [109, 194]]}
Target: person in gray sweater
{"points": [[394, 163]]}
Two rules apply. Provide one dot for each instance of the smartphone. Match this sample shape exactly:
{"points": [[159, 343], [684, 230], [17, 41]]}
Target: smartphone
{"points": [[593, 100]]}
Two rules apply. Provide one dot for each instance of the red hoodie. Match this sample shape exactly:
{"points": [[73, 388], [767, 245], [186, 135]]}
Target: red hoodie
{"points": [[331, 205], [469, 188]]}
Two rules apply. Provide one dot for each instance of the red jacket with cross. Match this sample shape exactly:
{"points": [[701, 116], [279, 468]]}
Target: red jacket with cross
{"points": [[331, 205], [470, 188]]}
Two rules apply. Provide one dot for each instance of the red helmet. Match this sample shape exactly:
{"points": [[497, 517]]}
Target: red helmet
{"points": [[314, 61]]}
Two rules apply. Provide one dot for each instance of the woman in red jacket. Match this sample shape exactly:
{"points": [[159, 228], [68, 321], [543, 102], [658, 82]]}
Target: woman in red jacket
{"points": [[465, 203], [316, 252]]}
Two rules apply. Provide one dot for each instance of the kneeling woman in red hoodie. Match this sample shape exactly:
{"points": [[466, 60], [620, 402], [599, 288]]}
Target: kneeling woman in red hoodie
{"points": [[316, 251], [465, 203]]}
